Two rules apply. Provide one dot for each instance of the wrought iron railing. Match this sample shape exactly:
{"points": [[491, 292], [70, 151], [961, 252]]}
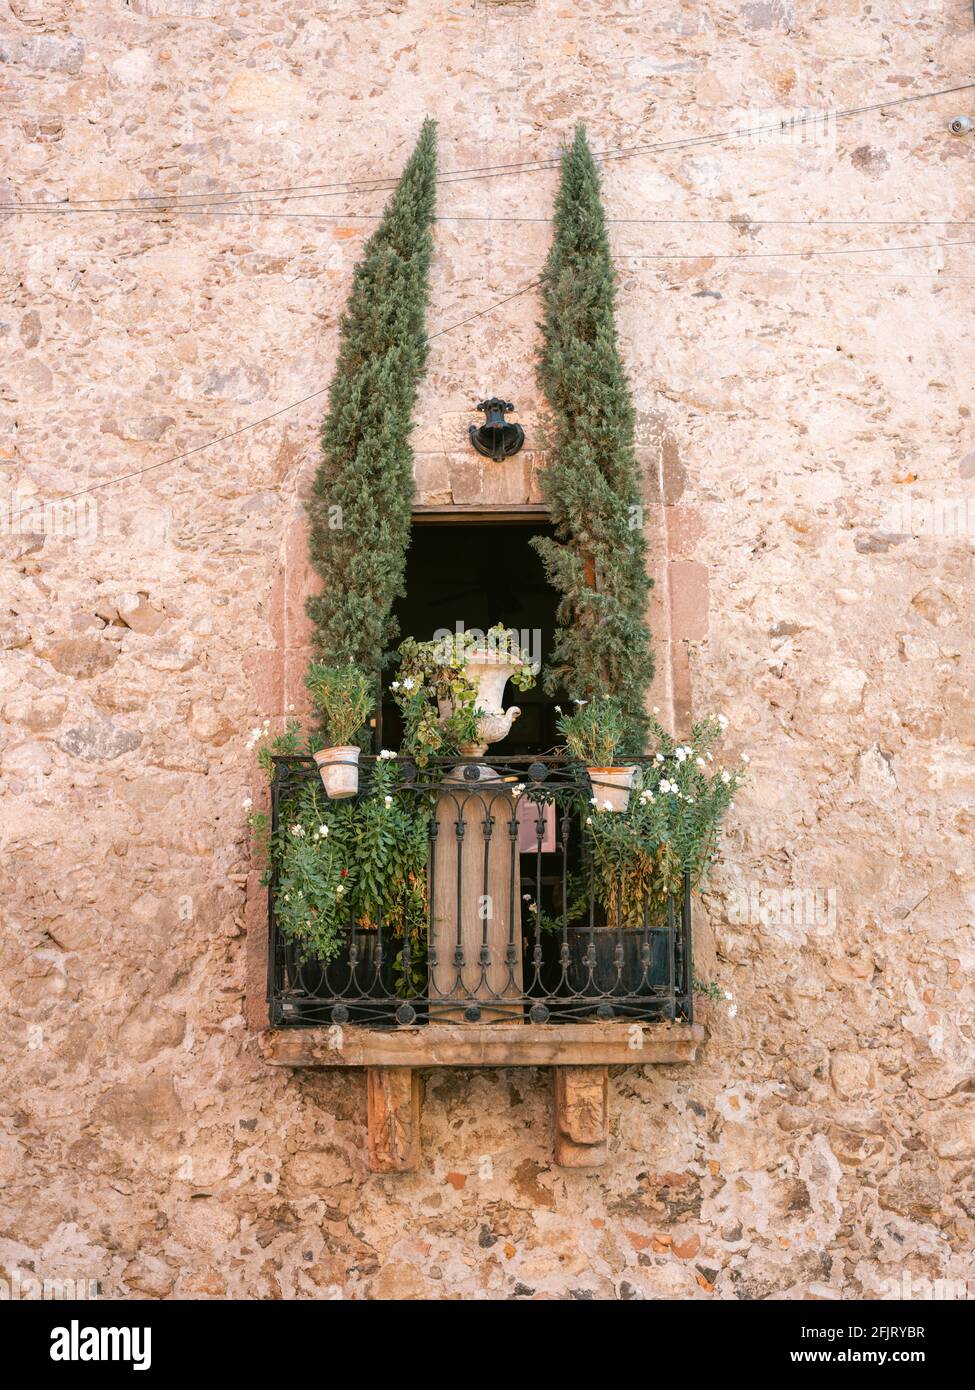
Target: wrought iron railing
{"points": [[516, 922]]}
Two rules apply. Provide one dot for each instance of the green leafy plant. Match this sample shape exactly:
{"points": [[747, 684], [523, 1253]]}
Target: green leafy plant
{"points": [[669, 828], [597, 559], [360, 861], [437, 699], [360, 508], [344, 697], [594, 732]]}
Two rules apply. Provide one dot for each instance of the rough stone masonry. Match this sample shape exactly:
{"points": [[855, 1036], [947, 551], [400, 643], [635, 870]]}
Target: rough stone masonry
{"points": [[798, 414]]}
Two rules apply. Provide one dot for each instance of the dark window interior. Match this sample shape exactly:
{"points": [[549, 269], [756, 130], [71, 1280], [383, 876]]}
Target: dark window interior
{"points": [[478, 574]]}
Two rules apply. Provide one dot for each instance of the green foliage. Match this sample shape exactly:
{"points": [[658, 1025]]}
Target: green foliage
{"points": [[344, 696], [360, 860], [670, 826], [362, 496], [437, 699], [594, 732], [710, 989], [597, 560]]}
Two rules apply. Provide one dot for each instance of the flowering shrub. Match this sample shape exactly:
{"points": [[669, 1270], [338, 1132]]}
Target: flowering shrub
{"points": [[360, 860], [670, 826]]}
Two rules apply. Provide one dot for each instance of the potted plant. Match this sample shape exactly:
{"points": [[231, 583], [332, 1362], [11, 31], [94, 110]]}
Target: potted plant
{"points": [[593, 735], [344, 698], [450, 690], [639, 859]]}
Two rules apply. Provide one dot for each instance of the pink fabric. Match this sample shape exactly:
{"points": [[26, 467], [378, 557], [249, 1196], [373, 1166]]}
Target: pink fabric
{"points": [[528, 812]]}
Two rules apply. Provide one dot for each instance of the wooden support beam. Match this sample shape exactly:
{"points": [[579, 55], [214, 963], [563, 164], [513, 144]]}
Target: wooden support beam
{"points": [[393, 1111], [484, 1045], [581, 1116]]}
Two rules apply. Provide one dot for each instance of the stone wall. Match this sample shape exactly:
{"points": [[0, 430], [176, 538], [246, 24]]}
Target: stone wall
{"points": [[800, 418]]}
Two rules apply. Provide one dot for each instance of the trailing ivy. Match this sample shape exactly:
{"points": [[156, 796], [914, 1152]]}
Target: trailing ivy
{"points": [[597, 560], [362, 495]]}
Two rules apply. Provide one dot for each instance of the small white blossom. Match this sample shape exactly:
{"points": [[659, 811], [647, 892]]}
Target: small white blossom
{"points": [[298, 831], [607, 805], [658, 757], [656, 709], [745, 758], [732, 1010], [680, 754], [518, 788], [593, 801], [589, 820], [580, 702], [725, 777], [409, 683], [247, 803], [558, 709], [526, 897], [394, 685], [386, 754], [723, 720], [700, 762], [388, 800], [340, 890], [728, 994], [256, 733], [322, 831], [291, 709]]}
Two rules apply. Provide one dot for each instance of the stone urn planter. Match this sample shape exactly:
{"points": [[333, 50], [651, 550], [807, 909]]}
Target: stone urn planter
{"points": [[612, 784], [339, 770], [489, 671]]}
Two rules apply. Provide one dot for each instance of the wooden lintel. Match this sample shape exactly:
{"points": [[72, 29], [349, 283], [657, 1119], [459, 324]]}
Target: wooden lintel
{"points": [[484, 1045], [393, 1118], [581, 1116]]}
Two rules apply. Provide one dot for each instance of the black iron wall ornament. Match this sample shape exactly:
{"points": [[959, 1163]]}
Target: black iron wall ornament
{"points": [[496, 438]]}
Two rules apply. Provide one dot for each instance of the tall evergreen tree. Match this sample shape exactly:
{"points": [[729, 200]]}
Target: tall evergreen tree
{"points": [[362, 496], [597, 560]]}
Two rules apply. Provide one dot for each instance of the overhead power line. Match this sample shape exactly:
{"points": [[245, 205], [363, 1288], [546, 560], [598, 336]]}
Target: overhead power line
{"points": [[385, 183]]}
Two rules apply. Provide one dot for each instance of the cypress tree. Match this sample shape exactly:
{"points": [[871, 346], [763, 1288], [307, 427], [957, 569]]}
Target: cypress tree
{"points": [[362, 496], [597, 560]]}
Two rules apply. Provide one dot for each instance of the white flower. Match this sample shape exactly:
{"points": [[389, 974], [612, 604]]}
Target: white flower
{"points": [[322, 831], [656, 709], [580, 702], [667, 786], [297, 830], [388, 800], [593, 801], [256, 733], [710, 757], [732, 1010], [291, 709], [728, 994], [725, 777], [409, 683], [658, 758], [394, 685], [745, 758], [526, 897], [589, 820], [700, 762], [340, 890], [386, 754], [267, 723], [723, 720], [558, 709], [247, 803], [607, 805], [518, 788], [680, 754]]}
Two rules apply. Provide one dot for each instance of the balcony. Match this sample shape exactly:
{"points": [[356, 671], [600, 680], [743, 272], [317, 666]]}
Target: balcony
{"points": [[517, 925], [508, 942]]}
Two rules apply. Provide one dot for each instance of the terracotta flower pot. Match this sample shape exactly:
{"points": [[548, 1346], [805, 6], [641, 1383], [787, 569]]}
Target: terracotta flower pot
{"points": [[339, 770], [612, 784]]}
